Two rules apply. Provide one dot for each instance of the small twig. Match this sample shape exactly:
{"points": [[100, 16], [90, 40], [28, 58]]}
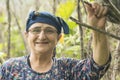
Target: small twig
{"points": [[114, 7], [84, 2], [113, 12], [94, 28]]}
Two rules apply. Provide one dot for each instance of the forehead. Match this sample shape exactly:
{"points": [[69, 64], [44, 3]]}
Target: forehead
{"points": [[42, 25]]}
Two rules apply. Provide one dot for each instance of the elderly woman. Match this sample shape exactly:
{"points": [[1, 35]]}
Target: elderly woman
{"points": [[43, 31]]}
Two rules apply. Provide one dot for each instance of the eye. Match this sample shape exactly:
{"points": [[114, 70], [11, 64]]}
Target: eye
{"points": [[36, 31], [50, 31]]}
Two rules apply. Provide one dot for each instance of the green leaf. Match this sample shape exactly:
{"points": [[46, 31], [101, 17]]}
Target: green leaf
{"points": [[2, 17], [64, 10]]}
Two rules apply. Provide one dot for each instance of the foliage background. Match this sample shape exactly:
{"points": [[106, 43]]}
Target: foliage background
{"points": [[68, 46]]}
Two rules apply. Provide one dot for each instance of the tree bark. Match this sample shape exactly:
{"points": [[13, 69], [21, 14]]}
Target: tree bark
{"points": [[116, 67], [80, 30], [9, 27]]}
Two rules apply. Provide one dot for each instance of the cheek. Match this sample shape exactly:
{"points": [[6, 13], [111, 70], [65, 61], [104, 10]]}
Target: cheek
{"points": [[53, 39], [31, 40]]}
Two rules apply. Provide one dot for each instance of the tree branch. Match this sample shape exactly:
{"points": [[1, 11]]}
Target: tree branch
{"points": [[20, 31], [94, 28], [114, 7]]}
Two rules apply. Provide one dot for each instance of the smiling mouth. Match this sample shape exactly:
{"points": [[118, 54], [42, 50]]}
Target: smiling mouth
{"points": [[41, 42]]}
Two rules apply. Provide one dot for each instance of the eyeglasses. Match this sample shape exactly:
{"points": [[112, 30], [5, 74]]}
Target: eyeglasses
{"points": [[47, 31]]}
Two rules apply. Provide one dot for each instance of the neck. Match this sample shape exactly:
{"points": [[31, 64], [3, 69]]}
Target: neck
{"points": [[40, 59], [41, 62]]}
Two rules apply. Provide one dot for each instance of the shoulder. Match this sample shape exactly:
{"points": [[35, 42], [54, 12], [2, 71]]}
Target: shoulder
{"points": [[14, 62], [11, 66]]}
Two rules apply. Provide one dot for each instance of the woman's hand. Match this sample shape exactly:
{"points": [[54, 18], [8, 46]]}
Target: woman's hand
{"points": [[96, 15]]}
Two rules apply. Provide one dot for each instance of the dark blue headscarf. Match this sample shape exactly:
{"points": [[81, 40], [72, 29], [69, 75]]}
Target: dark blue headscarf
{"points": [[48, 18]]}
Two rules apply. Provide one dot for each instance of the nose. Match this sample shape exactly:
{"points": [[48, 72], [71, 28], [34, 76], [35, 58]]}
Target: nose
{"points": [[42, 35]]}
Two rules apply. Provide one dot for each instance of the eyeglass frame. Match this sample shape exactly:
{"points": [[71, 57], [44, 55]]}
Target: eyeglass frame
{"points": [[49, 32]]}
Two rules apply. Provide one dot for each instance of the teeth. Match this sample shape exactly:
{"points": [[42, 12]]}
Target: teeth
{"points": [[40, 42]]}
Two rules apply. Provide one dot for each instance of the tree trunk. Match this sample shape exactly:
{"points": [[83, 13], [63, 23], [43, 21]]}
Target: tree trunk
{"points": [[116, 67], [80, 30], [9, 28]]}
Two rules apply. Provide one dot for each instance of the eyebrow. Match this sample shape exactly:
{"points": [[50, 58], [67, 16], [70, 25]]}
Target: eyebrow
{"points": [[45, 27]]}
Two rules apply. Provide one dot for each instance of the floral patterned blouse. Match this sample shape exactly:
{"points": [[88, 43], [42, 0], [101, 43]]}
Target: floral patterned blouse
{"points": [[62, 69]]}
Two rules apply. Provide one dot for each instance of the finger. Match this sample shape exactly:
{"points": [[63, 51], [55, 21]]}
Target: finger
{"points": [[105, 11], [100, 11], [96, 8]]}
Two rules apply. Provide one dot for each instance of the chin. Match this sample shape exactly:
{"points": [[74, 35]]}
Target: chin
{"points": [[41, 50]]}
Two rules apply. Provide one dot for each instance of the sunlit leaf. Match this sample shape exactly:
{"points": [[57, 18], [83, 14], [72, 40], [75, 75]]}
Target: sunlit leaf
{"points": [[2, 18], [66, 9]]}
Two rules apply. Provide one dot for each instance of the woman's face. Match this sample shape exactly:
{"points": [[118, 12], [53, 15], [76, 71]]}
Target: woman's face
{"points": [[42, 38]]}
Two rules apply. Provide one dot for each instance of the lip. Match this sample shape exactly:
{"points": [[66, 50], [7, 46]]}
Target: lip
{"points": [[41, 42]]}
